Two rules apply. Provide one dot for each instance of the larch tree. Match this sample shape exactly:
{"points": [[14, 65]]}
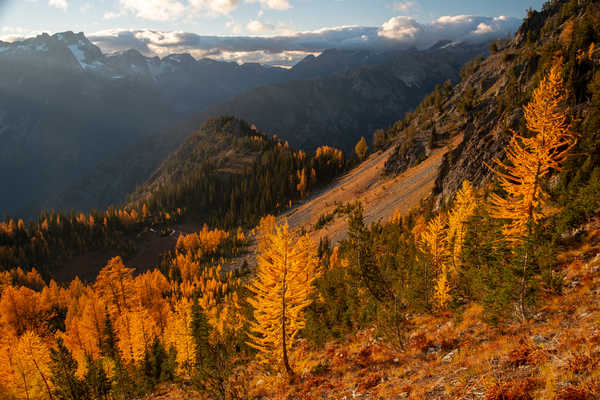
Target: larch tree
{"points": [[463, 209], [361, 149], [433, 242], [530, 160], [179, 335], [33, 359], [282, 289]]}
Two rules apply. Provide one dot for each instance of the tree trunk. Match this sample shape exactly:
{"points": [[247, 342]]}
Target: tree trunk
{"points": [[286, 362]]}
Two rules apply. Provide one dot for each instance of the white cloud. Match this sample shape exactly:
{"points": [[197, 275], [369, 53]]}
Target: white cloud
{"points": [[404, 6], [452, 27], [214, 6], [255, 26], [277, 44], [483, 28], [62, 4], [400, 28], [156, 10], [273, 4]]}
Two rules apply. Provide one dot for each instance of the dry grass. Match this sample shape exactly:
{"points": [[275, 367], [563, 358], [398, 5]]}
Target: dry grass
{"points": [[553, 357]]}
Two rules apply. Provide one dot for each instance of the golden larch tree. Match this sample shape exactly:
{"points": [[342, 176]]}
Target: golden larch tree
{"points": [[530, 159], [282, 288], [25, 368], [179, 335], [361, 149], [463, 209], [433, 242]]}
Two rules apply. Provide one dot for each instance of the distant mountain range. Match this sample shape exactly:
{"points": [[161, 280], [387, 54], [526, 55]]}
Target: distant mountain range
{"points": [[80, 128]]}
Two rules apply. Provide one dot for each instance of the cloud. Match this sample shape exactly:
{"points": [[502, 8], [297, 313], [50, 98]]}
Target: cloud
{"points": [[273, 4], [169, 10], [455, 28], [62, 4], [404, 6], [156, 10], [282, 45], [401, 28], [256, 26], [214, 6]]}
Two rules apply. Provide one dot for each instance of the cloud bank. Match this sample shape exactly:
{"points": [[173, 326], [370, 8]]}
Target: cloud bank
{"points": [[287, 49]]}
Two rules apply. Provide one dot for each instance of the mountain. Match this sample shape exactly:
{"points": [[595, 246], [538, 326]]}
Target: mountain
{"points": [[486, 106], [338, 109], [146, 96], [66, 108], [70, 115]]}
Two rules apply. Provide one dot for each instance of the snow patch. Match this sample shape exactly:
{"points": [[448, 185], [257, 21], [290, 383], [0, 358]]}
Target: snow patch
{"points": [[80, 57]]}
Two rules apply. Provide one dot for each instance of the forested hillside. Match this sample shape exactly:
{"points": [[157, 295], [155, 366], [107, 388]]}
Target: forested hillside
{"points": [[487, 289], [337, 110]]}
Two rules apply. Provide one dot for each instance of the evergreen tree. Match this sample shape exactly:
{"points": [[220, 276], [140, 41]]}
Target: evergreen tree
{"points": [[361, 149], [96, 381], [63, 368], [282, 290]]}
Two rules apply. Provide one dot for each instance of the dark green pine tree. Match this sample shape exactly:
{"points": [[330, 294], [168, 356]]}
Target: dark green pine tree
{"points": [[96, 381], [363, 257], [201, 332], [122, 383], [63, 367], [157, 366]]}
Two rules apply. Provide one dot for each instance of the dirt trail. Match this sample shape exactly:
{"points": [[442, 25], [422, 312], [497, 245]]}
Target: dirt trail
{"points": [[380, 195]]}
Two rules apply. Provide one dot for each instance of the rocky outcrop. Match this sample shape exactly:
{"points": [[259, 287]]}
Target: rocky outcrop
{"points": [[485, 107]]}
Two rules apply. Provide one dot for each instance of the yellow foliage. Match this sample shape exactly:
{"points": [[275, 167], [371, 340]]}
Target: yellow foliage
{"points": [[25, 366], [532, 158], [85, 328], [136, 330], [21, 309], [361, 149], [331, 153], [464, 208], [442, 290], [115, 285], [433, 241], [201, 243], [179, 335], [282, 288]]}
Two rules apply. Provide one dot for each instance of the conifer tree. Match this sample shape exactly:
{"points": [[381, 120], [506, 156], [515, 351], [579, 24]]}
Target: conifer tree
{"points": [[96, 380], [463, 209], [361, 149], [530, 159], [63, 367], [433, 242], [282, 290]]}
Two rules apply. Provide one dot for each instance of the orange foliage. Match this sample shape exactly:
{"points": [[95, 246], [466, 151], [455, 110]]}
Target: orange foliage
{"points": [[533, 158], [21, 310], [201, 243]]}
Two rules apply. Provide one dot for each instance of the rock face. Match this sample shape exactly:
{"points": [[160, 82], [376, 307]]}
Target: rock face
{"points": [[485, 107]]}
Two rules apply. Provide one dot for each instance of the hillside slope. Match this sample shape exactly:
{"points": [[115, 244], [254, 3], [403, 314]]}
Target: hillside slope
{"points": [[382, 196], [485, 106], [337, 110]]}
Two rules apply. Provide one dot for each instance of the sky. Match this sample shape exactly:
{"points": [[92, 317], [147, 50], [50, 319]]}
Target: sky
{"points": [[267, 31]]}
